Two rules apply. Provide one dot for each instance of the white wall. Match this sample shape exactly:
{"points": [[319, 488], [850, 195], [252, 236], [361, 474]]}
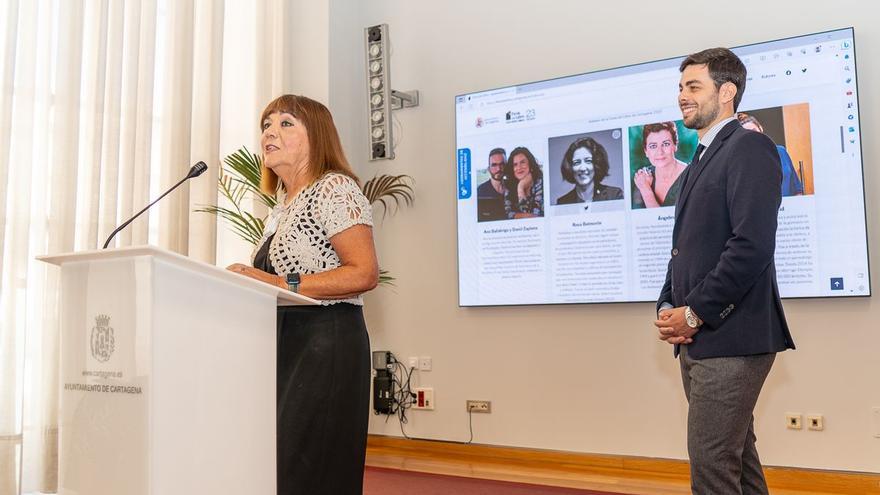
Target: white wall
{"points": [[588, 378]]}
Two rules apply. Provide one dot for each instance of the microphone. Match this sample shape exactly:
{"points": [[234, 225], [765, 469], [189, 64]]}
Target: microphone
{"points": [[195, 171]]}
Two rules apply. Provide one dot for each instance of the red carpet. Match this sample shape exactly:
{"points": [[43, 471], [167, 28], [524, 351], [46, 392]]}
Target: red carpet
{"points": [[380, 481]]}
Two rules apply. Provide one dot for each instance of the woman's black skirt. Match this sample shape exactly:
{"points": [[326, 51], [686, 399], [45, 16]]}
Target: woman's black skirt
{"points": [[323, 399]]}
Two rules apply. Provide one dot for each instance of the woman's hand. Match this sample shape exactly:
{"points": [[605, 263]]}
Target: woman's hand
{"points": [[524, 187], [251, 272], [643, 180]]}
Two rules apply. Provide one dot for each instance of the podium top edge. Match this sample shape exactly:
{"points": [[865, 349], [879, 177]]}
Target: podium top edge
{"points": [[284, 297], [110, 253]]}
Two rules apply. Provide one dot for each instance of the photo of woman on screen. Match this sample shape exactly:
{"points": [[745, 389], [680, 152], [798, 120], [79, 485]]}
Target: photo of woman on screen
{"points": [[524, 193], [585, 164], [659, 183]]}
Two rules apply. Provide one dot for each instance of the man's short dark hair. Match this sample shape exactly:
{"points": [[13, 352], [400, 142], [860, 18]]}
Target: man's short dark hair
{"points": [[498, 151], [600, 159], [724, 66]]}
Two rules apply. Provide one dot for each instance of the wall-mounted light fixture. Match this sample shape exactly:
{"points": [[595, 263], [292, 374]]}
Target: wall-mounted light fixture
{"points": [[382, 99]]}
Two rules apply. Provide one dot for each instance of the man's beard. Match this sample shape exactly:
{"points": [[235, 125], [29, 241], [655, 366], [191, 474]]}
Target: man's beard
{"points": [[702, 118]]}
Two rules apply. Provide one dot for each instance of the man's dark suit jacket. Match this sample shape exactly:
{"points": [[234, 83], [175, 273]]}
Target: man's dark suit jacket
{"points": [[723, 244], [490, 203]]}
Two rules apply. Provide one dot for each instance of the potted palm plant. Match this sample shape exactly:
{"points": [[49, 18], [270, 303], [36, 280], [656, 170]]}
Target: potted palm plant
{"points": [[240, 178]]}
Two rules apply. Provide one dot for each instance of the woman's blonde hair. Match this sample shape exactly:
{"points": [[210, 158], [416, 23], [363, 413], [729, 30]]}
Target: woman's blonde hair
{"points": [[325, 149]]}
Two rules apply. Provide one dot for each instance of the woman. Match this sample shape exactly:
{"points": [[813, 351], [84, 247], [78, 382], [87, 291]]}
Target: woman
{"points": [[659, 183], [791, 182], [585, 164], [524, 194], [318, 242]]}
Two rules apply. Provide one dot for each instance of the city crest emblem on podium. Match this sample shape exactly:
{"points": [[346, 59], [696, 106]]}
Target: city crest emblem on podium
{"points": [[102, 341]]}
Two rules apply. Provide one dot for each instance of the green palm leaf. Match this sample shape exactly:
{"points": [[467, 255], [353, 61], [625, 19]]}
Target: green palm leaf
{"points": [[245, 225], [390, 190], [385, 278], [243, 168]]}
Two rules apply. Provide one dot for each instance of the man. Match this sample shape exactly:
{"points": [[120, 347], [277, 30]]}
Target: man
{"points": [[720, 304], [490, 194]]}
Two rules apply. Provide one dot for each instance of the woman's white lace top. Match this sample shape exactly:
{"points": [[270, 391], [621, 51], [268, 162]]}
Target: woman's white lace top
{"points": [[304, 227]]}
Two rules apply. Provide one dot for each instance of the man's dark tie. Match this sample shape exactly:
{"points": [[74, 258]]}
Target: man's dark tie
{"points": [[694, 162], [697, 155]]}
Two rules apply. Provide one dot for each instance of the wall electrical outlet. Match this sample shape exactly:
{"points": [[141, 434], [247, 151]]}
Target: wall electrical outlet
{"points": [[479, 406], [413, 362], [815, 422], [424, 398], [793, 421], [425, 363]]}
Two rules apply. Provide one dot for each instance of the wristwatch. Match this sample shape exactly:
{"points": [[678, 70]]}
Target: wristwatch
{"points": [[293, 282], [691, 319]]}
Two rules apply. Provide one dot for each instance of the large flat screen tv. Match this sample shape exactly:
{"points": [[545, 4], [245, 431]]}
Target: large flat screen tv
{"points": [[556, 247]]}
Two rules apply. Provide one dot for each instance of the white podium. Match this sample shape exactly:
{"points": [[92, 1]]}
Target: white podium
{"points": [[167, 375]]}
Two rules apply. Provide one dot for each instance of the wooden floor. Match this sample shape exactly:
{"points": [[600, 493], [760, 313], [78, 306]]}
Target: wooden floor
{"points": [[617, 474]]}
